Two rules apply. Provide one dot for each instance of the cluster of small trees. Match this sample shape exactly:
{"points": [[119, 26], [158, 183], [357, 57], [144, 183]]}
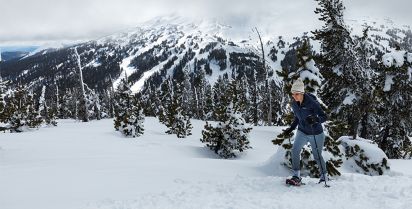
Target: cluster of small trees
{"points": [[20, 109]]}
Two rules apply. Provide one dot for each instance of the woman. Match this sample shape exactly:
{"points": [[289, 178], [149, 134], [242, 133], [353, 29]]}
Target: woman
{"points": [[309, 117]]}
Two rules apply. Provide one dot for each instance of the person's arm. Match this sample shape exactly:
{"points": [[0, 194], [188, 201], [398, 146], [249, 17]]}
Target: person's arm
{"points": [[320, 113], [292, 126]]}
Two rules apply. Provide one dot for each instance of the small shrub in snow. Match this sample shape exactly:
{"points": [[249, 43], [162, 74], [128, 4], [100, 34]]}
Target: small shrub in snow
{"points": [[227, 137], [363, 156]]}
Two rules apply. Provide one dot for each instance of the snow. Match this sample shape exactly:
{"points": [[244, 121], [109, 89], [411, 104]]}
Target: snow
{"points": [[350, 97], [372, 151], [127, 70], [388, 82], [409, 57], [312, 72], [396, 58], [90, 166]]}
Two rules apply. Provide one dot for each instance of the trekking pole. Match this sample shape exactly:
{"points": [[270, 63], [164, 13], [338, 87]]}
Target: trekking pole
{"points": [[320, 162]]}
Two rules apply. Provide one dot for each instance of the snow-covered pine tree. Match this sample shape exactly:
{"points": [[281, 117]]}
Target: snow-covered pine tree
{"points": [[394, 104], [220, 101], [16, 110], [346, 81], [94, 104], [209, 106], [165, 97], [139, 116], [57, 105], [151, 100], [47, 115], [2, 101], [177, 120], [129, 115], [199, 91], [34, 120], [369, 120], [68, 107], [277, 103], [307, 71], [187, 94], [231, 133], [363, 156]]}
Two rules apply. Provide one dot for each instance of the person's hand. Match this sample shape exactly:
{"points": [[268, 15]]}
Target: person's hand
{"points": [[287, 131], [312, 120]]}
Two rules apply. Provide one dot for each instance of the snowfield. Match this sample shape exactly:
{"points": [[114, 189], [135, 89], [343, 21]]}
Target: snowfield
{"points": [[90, 166]]}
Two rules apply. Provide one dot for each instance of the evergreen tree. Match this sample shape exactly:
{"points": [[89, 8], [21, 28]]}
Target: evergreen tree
{"points": [[2, 102], [165, 95], [231, 133], [346, 80], [220, 101], [68, 107], [307, 71], [34, 120], [229, 136], [208, 106], [47, 114], [19, 111], [394, 104], [200, 86], [177, 120], [129, 115]]}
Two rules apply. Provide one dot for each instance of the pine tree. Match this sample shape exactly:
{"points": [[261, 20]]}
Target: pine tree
{"points": [[129, 115], [393, 105], [208, 106], [68, 107], [177, 120], [307, 71], [165, 95], [34, 120], [230, 134], [2, 102], [46, 113], [220, 101], [16, 110], [346, 80]]}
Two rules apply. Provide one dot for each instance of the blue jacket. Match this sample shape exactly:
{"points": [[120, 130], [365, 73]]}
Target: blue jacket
{"points": [[310, 106]]}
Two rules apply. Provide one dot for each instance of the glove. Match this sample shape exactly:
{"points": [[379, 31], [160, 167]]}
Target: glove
{"points": [[287, 131], [312, 120]]}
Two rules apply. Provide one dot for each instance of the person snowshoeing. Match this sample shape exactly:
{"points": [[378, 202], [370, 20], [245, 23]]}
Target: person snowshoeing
{"points": [[309, 117]]}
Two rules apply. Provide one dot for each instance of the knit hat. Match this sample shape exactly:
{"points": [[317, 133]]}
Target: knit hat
{"points": [[298, 86]]}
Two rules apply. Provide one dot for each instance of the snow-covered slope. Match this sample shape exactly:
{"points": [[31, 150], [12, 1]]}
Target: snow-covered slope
{"points": [[90, 166], [161, 46]]}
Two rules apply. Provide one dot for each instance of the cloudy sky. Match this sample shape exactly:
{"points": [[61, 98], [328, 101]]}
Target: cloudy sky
{"points": [[28, 22]]}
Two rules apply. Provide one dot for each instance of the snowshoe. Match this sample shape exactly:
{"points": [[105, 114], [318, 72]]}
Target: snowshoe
{"points": [[294, 181]]}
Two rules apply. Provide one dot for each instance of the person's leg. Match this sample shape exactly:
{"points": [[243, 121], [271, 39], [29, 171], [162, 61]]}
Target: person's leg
{"points": [[317, 152], [300, 141]]}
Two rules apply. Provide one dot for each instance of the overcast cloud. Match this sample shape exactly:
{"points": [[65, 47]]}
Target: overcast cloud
{"points": [[37, 21]]}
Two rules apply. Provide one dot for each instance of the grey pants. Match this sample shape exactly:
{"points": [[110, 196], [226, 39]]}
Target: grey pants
{"points": [[302, 139]]}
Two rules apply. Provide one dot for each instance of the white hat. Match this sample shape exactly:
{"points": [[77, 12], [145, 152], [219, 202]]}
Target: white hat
{"points": [[298, 86]]}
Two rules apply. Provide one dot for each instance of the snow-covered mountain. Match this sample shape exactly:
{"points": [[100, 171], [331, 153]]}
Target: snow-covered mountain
{"points": [[161, 47]]}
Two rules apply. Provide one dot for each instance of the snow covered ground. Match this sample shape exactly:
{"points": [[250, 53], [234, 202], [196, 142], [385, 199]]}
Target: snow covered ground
{"points": [[90, 166]]}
